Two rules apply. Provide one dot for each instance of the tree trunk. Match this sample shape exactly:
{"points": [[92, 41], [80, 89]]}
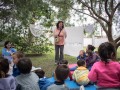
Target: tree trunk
{"points": [[110, 38], [30, 37]]}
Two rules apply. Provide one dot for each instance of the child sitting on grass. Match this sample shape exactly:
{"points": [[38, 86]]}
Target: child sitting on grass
{"points": [[7, 82], [65, 62], [80, 75], [43, 82], [82, 55], [27, 80], [16, 56], [106, 72], [61, 73]]}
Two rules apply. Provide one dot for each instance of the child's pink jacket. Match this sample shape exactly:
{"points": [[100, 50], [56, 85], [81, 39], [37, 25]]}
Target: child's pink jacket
{"points": [[105, 75]]}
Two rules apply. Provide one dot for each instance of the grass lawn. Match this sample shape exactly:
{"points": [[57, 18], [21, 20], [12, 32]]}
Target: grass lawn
{"points": [[46, 61]]}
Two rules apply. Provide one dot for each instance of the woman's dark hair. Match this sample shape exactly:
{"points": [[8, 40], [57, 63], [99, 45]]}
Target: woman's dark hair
{"points": [[57, 25], [106, 51], [6, 42], [4, 67], [91, 47], [89, 52], [24, 65], [62, 72], [40, 73], [80, 62]]}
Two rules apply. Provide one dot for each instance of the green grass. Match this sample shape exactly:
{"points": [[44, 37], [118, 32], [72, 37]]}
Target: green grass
{"points": [[47, 63], [1, 50], [118, 53]]}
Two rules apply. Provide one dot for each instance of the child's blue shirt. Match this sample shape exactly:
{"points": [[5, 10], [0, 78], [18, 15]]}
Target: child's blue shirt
{"points": [[16, 72], [44, 83]]}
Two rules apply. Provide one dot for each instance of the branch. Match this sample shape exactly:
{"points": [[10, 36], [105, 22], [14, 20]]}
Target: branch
{"points": [[106, 10], [81, 12], [111, 5], [103, 26], [92, 17], [95, 11], [118, 5], [117, 39]]}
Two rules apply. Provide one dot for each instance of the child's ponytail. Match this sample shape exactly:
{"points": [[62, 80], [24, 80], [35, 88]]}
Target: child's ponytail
{"points": [[106, 51]]}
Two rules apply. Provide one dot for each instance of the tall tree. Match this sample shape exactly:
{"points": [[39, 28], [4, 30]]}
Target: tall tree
{"points": [[103, 11]]}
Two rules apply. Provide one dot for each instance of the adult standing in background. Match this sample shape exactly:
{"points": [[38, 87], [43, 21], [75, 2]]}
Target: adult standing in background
{"points": [[59, 37]]}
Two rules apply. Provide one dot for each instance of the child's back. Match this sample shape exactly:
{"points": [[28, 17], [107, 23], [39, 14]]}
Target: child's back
{"points": [[106, 73], [80, 75], [7, 82], [27, 79], [58, 86], [61, 73]]}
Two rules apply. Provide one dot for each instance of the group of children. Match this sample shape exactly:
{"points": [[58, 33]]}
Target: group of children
{"points": [[104, 73], [25, 79], [103, 70]]}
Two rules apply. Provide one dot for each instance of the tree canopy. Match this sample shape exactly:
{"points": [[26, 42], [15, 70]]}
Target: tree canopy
{"points": [[16, 17]]}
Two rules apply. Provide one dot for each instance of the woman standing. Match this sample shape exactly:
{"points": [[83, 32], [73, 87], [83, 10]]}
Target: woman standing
{"points": [[59, 36]]}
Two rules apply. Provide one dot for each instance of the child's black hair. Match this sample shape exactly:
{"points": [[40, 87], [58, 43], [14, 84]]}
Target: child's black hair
{"points": [[106, 51], [4, 67], [24, 65], [80, 63], [40, 73], [91, 47], [89, 52], [62, 72]]}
